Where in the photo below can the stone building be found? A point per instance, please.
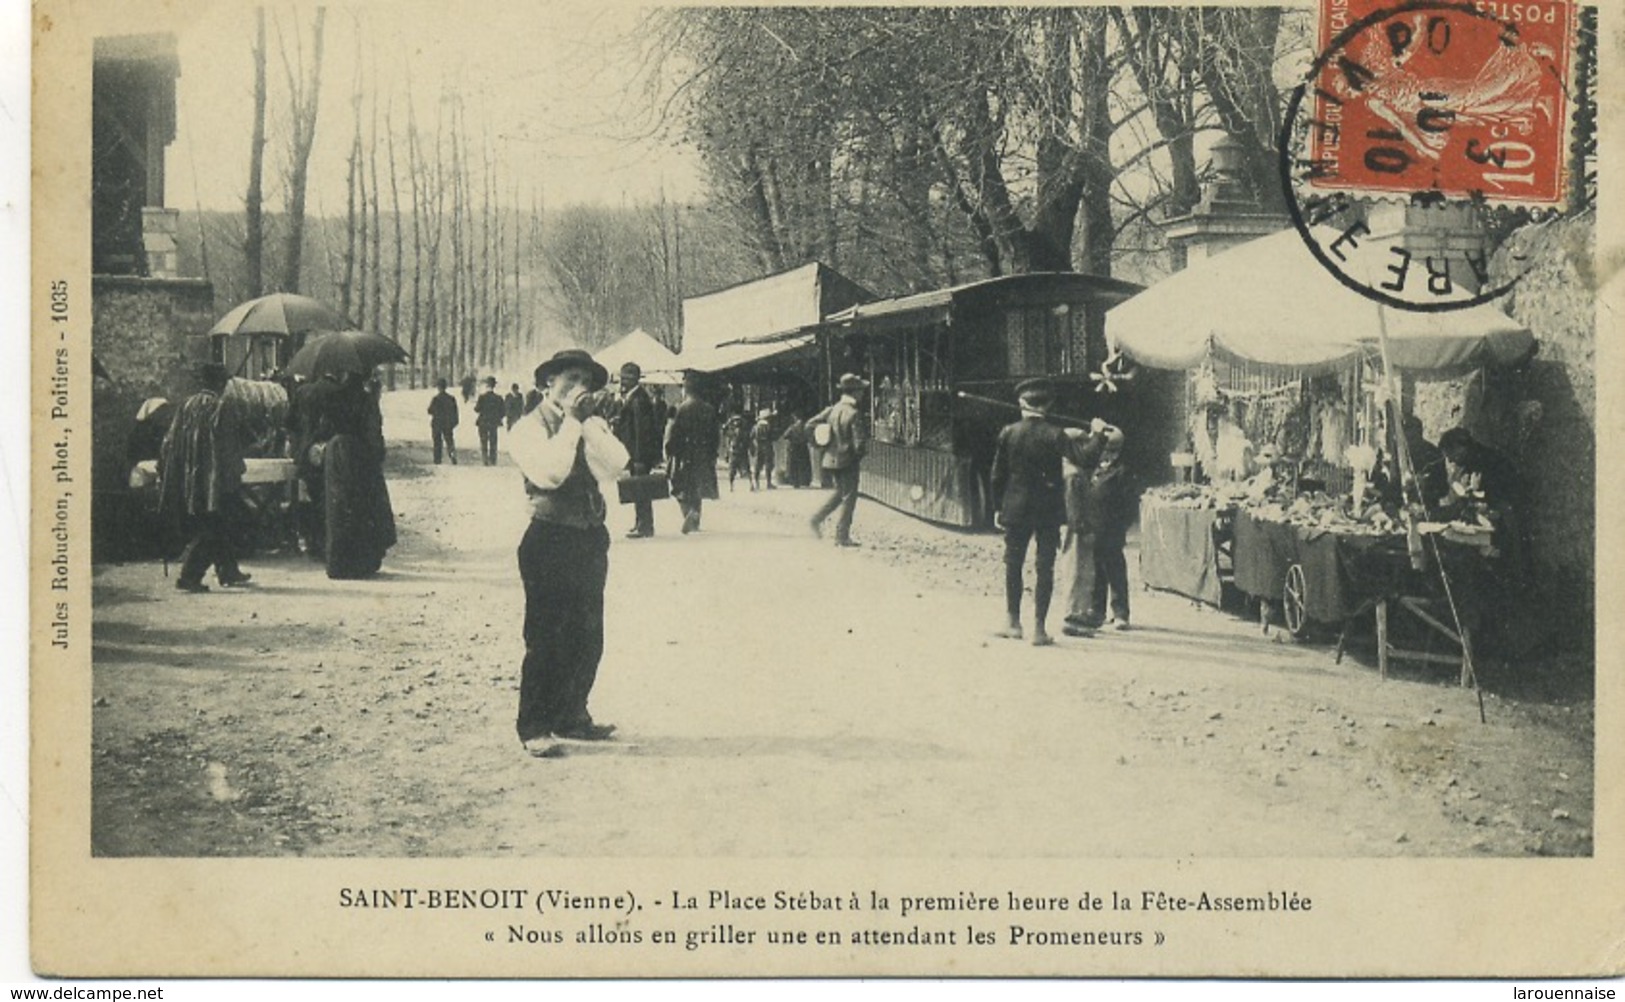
(145, 315)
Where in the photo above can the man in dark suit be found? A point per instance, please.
(848, 443)
(637, 428)
(488, 413)
(443, 422)
(691, 450)
(1029, 498)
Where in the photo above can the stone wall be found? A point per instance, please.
(1544, 416)
(145, 334)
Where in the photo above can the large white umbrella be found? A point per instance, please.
(1270, 301)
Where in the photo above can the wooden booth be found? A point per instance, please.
(943, 366)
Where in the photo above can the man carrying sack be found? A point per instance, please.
(637, 428)
(848, 443)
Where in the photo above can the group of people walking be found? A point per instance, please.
(492, 411)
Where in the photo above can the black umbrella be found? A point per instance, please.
(344, 351)
(281, 313)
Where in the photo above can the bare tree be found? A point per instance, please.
(254, 208)
(399, 276)
(352, 192)
(377, 229)
(304, 89)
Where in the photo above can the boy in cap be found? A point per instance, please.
(564, 449)
(1029, 499)
(1100, 508)
(761, 436)
(848, 444)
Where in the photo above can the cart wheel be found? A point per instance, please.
(1293, 594)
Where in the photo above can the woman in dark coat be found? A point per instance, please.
(692, 442)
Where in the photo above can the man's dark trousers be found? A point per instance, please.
(564, 569)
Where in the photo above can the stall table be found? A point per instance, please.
(1184, 549)
(1335, 577)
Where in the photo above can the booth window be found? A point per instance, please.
(1040, 340)
(911, 400)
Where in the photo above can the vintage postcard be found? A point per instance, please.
(600, 491)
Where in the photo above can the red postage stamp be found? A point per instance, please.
(1466, 100)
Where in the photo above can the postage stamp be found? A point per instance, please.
(1418, 122)
(1463, 99)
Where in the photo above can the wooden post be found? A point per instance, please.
(1382, 639)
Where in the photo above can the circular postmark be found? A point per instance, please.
(1427, 109)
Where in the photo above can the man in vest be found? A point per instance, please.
(564, 449)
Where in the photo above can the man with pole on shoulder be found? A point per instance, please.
(1030, 501)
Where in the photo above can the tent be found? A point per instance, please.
(659, 363)
(1270, 301)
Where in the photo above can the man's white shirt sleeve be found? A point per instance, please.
(546, 460)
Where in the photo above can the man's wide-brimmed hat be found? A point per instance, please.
(1040, 391)
(573, 358)
(851, 382)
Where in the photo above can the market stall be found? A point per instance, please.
(943, 366)
(1294, 469)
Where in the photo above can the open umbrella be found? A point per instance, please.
(344, 351)
(281, 313)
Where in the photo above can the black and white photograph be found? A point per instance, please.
(600, 491)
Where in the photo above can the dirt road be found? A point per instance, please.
(764, 684)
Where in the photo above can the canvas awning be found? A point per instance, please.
(792, 346)
(1270, 301)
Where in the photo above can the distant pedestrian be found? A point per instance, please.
(1100, 508)
(798, 463)
(848, 443)
(637, 428)
(513, 406)
(200, 467)
(738, 431)
(470, 383)
(564, 450)
(692, 441)
(443, 416)
(761, 439)
(1029, 500)
(488, 413)
(662, 410)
